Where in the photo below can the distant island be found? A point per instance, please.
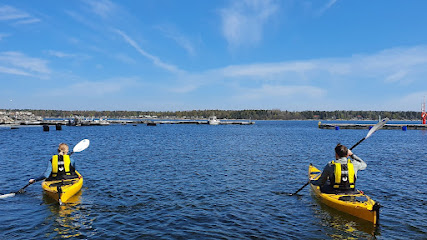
(9, 114)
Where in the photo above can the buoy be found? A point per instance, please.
(404, 128)
(337, 128)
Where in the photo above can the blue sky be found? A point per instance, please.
(164, 55)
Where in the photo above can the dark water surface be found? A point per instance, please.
(210, 182)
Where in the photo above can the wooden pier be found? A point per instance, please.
(338, 126)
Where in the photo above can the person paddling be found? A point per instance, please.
(339, 176)
(60, 166)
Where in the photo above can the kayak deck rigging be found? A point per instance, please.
(62, 190)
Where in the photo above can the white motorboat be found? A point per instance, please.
(213, 120)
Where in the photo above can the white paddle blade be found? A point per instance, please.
(7, 195)
(377, 126)
(82, 145)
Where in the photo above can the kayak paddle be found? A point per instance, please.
(373, 129)
(14, 193)
(82, 145)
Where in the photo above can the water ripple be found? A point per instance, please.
(209, 182)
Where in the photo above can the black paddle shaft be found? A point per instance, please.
(300, 189)
(361, 140)
(22, 189)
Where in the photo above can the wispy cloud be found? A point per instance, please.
(86, 88)
(283, 91)
(97, 88)
(409, 101)
(243, 22)
(317, 80)
(156, 60)
(13, 71)
(102, 8)
(60, 54)
(9, 13)
(183, 41)
(326, 7)
(3, 35)
(125, 58)
(388, 66)
(19, 64)
(81, 19)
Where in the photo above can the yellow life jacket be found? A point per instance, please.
(344, 176)
(61, 165)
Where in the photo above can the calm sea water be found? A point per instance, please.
(210, 182)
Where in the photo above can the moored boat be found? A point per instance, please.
(357, 204)
(213, 120)
(63, 190)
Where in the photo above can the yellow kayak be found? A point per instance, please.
(357, 204)
(63, 190)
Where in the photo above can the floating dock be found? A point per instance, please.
(404, 126)
(128, 121)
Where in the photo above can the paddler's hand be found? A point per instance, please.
(32, 181)
(312, 178)
(349, 153)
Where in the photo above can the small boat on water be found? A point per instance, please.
(213, 120)
(100, 122)
(63, 190)
(357, 204)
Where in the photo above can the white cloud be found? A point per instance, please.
(390, 66)
(8, 13)
(28, 21)
(394, 77)
(20, 64)
(13, 71)
(94, 88)
(156, 61)
(60, 54)
(283, 91)
(81, 19)
(267, 69)
(408, 101)
(326, 7)
(243, 22)
(178, 37)
(103, 8)
(3, 35)
(11, 13)
(125, 58)
(319, 81)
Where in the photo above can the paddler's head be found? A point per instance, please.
(341, 151)
(63, 149)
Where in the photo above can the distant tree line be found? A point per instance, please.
(236, 114)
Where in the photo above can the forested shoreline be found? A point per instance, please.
(233, 114)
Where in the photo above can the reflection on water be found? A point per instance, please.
(346, 226)
(68, 219)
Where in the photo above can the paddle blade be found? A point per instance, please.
(82, 145)
(7, 195)
(376, 127)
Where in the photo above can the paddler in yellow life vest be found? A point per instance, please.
(339, 176)
(60, 166)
